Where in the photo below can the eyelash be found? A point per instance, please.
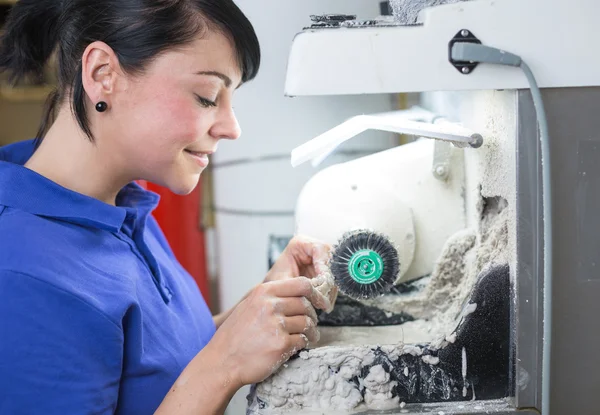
(205, 102)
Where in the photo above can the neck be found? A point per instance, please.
(67, 157)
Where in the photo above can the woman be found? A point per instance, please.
(96, 315)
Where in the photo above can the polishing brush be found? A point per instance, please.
(364, 264)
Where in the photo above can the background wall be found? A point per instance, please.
(19, 120)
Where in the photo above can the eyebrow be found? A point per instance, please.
(219, 75)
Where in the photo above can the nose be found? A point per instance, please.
(226, 126)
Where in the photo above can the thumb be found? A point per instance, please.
(317, 252)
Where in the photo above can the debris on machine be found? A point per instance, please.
(465, 307)
(407, 11)
(333, 21)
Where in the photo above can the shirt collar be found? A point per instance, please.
(24, 189)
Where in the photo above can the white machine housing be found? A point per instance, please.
(366, 60)
(553, 37)
(388, 192)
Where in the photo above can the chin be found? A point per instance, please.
(184, 189)
(183, 186)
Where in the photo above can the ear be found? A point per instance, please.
(100, 71)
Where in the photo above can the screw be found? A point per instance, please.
(476, 141)
(465, 70)
(440, 171)
(464, 33)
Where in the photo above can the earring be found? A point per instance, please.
(101, 106)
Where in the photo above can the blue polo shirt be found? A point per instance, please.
(96, 314)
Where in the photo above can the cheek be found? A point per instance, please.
(165, 117)
(175, 121)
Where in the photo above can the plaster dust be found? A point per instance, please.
(407, 11)
(321, 379)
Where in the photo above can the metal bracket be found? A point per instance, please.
(464, 67)
(442, 152)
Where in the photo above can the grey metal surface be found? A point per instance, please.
(530, 272)
(574, 116)
(575, 147)
(496, 407)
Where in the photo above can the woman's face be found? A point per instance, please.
(167, 121)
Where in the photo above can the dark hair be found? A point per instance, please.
(137, 30)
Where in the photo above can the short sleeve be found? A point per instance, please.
(58, 354)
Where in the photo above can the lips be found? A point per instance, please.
(198, 153)
(199, 156)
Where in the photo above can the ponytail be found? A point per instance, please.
(30, 36)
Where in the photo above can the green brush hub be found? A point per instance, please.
(365, 266)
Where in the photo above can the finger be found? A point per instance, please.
(299, 287)
(296, 306)
(302, 325)
(298, 342)
(320, 257)
(295, 343)
(308, 251)
(293, 287)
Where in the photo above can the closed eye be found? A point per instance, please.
(206, 103)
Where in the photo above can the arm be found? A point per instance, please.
(271, 323)
(220, 318)
(58, 354)
(205, 386)
(262, 332)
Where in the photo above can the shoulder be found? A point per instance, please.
(67, 343)
(38, 298)
(24, 235)
(51, 255)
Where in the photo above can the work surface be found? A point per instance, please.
(497, 407)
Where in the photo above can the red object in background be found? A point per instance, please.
(179, 219)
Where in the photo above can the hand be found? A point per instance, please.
(307, 257)
(304, 257)
(274, 322)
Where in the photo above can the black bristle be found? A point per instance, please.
(353, 242)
